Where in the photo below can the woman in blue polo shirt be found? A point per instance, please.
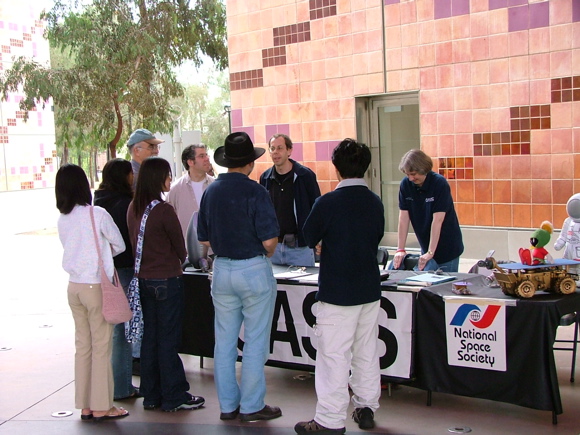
(425, 202)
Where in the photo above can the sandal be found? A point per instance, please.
(113, 413)
(86, 417)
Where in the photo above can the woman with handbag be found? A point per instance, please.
(159, 251)
(114, 195)
(93, 373)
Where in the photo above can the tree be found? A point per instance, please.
(202, 108)
(123, 53)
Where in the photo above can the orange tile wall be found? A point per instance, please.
(499, 106)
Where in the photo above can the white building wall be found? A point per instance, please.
(27, 149)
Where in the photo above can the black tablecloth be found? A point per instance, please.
(531, 377)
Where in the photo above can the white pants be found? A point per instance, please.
(347, 340)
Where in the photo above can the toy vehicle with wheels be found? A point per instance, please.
(517, 279)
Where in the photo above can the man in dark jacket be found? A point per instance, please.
(293, 189)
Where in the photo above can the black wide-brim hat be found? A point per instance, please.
(238, 151)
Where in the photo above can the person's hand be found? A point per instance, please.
(318, 249)
(398, 259)
(423, 259)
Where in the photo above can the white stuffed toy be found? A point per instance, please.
(570, 235)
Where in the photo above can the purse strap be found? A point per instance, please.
(141, 236)
(95, 235)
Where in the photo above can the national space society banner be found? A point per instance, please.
(476, 334)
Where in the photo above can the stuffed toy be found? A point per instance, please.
(570, 235)
(537, 254)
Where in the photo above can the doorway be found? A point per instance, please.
(389, 124)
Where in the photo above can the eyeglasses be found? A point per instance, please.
(278, 148)
(151, 147)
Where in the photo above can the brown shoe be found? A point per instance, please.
(306, 427)
(266, 413)
(230, 415)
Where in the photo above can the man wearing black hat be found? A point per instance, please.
(237, 220)
(142, 144)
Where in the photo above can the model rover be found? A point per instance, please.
(517, 279)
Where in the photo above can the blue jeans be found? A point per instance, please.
(121, 358)
(163, 380)
(449, 266)
(293, 256)
(243, 291)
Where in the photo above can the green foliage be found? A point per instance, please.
(202, 108)
(113, 60)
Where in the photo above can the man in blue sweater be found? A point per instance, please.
(347, 226)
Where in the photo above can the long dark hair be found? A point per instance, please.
(150, 183)
(115, 176)
(71, 188)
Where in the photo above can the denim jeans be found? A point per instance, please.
(163, 381)
(122, 358)
(449, 266)
(293, 256)
(243, 291)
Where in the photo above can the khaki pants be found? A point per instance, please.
(93, 343)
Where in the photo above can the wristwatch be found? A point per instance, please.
(430, 253)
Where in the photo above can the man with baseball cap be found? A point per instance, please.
(237, 219)
(142, 144)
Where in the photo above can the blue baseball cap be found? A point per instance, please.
(143, 135)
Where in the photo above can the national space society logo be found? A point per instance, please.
(475, 334)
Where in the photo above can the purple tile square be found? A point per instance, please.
(392, 2)
(459, 7)
(575, 11)
(518, 18)
(442, 9)
(517, 2)
(297, 151)
(497, 4)
(331, 146)
(273, 129)
(539, 15)
(249, 130)
(237, 120)
(322, 151)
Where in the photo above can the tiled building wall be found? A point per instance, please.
(27, 149)
(296, 66)
(498, 83)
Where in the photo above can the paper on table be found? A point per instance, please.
(310, 279)
(291, 274)
(426, 279)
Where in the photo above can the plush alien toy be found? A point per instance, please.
(570, 235)
(537, 254)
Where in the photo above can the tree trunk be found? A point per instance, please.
(91, 178)
(95, 158)
(64, 154)
(113, 144)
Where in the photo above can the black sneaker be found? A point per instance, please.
(306, 427)
(365, 417)
(266, 413)
(194, 403)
